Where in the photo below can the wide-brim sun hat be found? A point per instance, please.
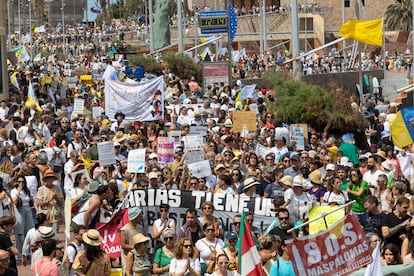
(92, 237)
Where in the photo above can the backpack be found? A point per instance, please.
(76, 253)
(78, 203)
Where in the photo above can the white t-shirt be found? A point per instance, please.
(331, 197)
(297, 199)
(70, 251)
(203, 247)
(159, 224)
(177, 266)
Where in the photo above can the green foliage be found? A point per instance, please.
(324, 111)
(182, 66)
(398, 16)
(149, 63)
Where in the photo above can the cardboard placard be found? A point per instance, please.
(96, 112)
(78, 106)
(299, 134)
(165, 149)
(193, 142)
(244, 119)
(194, 156)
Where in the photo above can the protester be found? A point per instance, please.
(208, 247)
(45, 266)
(5, 270)
(137, 260)
(6, 228)
(163, 223)
(185, 261)
(93, 260)
(164, 254)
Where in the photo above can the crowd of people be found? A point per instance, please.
(49, 154)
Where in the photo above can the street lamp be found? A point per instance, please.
(30, 27)
(63, 27)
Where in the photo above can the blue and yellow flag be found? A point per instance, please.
(13, 80)
(31, 98)
(402, 127)
(365, 31)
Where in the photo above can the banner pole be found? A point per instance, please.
(322, 216)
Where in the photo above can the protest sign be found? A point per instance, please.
(194, 156)
(262, 150)
(297, 135)
(200, 169)
(143, 101)
(176, 134)
(304, 130)
(62, 91)
(78, 106)
(225, 206)
(111, 239)
(165, 148)
(253, 107)
(339, 250)
(136, 161)
(244, 119)
(96, 112)
(198, 130)
(106, 153)
(193, 142)
(318, 211)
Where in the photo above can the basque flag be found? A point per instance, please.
(249, 259)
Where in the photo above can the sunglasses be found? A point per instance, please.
(7, 259)
(284, 218)
(210, 230)
(163, 210)
(20, 181)
(236, 223)
(59, 248)
(223, 263)
(168, 238)
(188, 246)
(233, 240)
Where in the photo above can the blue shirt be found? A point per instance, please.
(282, 268)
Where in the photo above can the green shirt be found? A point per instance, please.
(161, 258)
(358, 206)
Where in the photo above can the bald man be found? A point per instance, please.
(4, 264)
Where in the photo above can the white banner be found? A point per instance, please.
(139, 102)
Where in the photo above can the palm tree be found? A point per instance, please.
(398, 16)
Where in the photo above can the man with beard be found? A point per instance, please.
(395, 224)
(284, 226)
(372, 174)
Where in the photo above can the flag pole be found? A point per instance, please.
(322, 216)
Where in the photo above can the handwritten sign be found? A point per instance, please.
(106, 153)
(244, 119)
(96, 112)
(297, 135)
(194, 156)
(165, 150)
(262, 150)
(193, 142)
(200, 169)
(136, 161)
(176, 134)
(78, 106)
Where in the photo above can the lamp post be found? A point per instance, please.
(63, 28)
(9, 24)
(18, 12)
(30, 27)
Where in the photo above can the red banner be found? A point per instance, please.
(111, 239)
(339, 250)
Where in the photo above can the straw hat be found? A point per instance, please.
(92, 237)
(139, 238)
(287, 180)
(119, 137)
(316, 177)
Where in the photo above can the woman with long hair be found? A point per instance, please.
(21, 197)
(185, 262)
(207, 208)
(208, 247)
(225, 185)
(92, 261)
(407, 247)
(238, 179)
(79, 187)
(164, 254)
(390, 255)
(335, 196)
(357, 190)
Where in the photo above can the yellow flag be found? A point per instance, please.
(365, 31)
